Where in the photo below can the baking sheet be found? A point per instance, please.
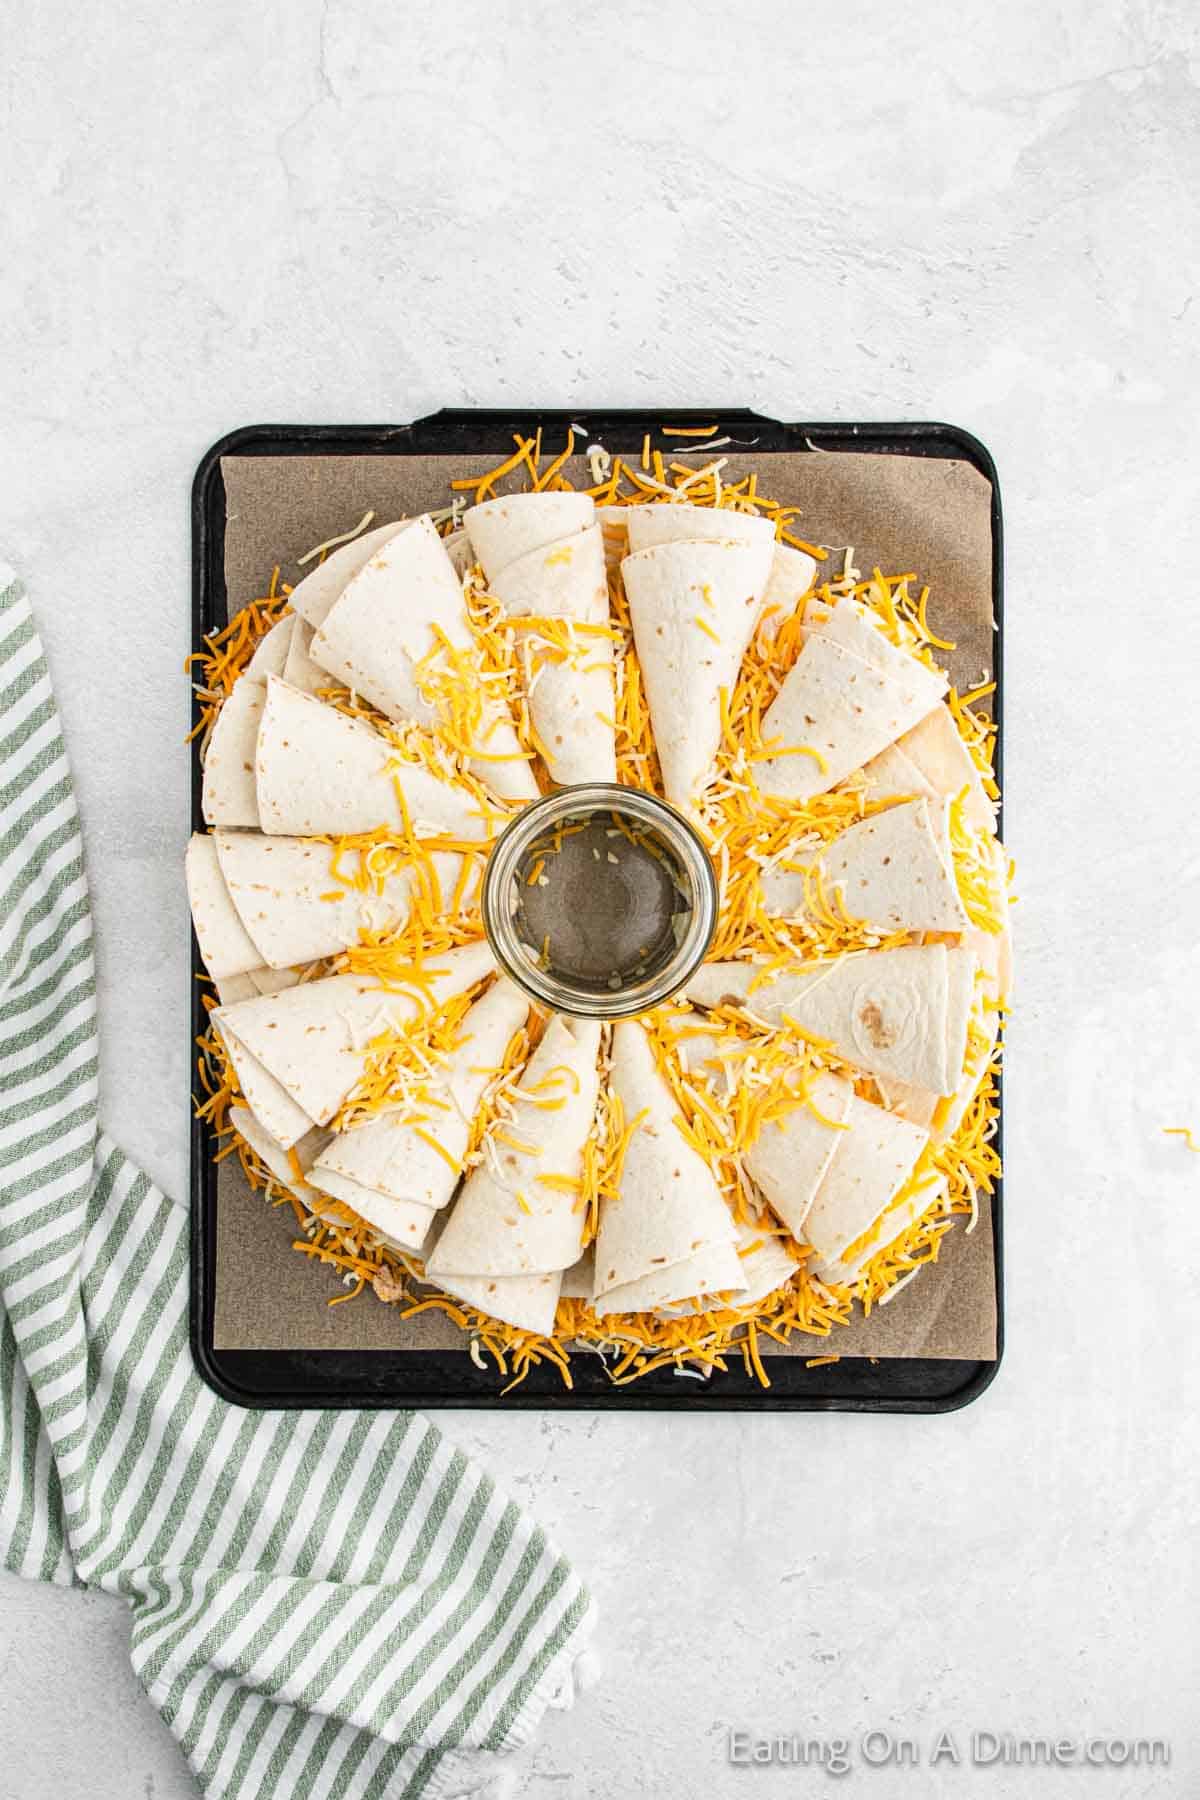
(927, 515)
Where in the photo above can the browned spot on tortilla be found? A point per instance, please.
(871, 1018)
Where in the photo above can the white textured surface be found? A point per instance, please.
(225, 213)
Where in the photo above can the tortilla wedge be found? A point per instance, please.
(892, 775)
(300, 671)
(714, 1275)
(892, 870)
(404, 1224)
(280, 1116)
(898, 1014)
(676, 522)
(916, 1104)
(255, 981)
(295, 910)
(834, 712)
(313, 597)
(271, 654)
(229, 794)
(459, 549)
(693, 606)
(874, 1158)
(507, 528)
(277, 1160)
(311, 1039)
(893, 1221)
(935, 746)
(507, 1220)
(791, 577)
(668, 1207)
(403, 607)
(767, 1262)
(225, 948)
(323, 773)
(856, 629)
(788, 1160)
(571, 702)
(528, 1302)
(417, 1161)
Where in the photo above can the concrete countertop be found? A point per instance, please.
(220, 214)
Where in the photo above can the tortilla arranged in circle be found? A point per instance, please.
(320, 772)
(668, 1208)
(895, 1013)
(229, 794)
(693, 606)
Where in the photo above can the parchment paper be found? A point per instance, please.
(901, 512)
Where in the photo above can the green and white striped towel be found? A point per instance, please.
(323, 1603)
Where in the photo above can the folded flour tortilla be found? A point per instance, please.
(788, 1160)
(229, 795)
(277, 1160)
(389, 1171)
(225, 947)
(900, 1014)
(490, 1232)
(667, 1235)
(280, 889)
(894, 1220)
(510, 1236)
(892, 870)
(873, 1159)
(503, 530)
(255, 981)
(402, 1224)
(892, 775)
(709, 1276)
(300, 671)
(935, 747)
(313, 597)
(403, 605)
(527, 1301)
(693, 606)
(767, 1263)
(674, 522)
(270, 656)
(916, 1104)
(321, 772)
(856, 629)
(791, 577)
(571, 702)
(577, 1281)
(310, 1040)
(460, 550)
(944, 1115)
(848, 695)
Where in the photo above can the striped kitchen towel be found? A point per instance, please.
(323, 1603)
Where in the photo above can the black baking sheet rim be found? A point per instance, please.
(448, 1378)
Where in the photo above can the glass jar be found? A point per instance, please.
(600, 901)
